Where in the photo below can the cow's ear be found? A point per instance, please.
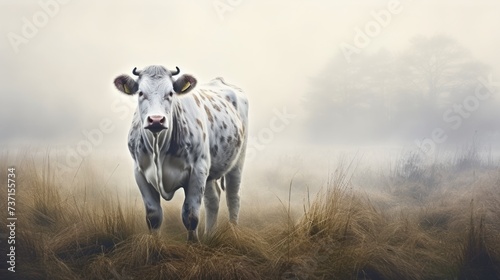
(184, 84)
(126, 84)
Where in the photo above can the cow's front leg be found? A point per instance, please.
(192, 202)
(151, 198)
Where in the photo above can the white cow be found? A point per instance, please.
(183, 136)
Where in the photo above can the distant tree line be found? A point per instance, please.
(387, 96)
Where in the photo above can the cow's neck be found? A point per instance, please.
(168, 142)
(177, 142)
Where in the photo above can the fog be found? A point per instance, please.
(373, 150)
(320, 75)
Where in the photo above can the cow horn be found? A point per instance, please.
(177, 72)
(135, 72)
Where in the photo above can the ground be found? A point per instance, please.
(417, 220)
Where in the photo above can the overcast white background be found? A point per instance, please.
(60, 82)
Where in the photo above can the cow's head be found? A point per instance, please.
(156, 89)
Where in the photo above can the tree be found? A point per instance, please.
(439, 67)
(386, 96)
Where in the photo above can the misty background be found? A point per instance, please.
(308, 100)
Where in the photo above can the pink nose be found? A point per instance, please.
(156, 120)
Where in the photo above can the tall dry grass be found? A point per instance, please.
(446, 228)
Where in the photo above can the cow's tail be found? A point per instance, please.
(222, 183)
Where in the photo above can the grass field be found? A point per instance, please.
(417, 221)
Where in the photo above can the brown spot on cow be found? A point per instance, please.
(199, 123)
(206, 96)
(222, 139)
(224, 125)
(197, 100)
(216, 107)
(209, 114)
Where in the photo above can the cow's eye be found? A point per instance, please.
(171, 94)
(141, 94)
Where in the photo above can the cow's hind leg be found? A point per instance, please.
(233, 180)
(211, 200)
(151, 198)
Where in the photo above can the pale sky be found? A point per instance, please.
(58, 82)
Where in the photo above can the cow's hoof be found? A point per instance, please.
(155, 232)
(192, 237)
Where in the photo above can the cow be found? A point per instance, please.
(186, 136)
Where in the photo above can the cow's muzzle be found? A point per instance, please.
(156, 123)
